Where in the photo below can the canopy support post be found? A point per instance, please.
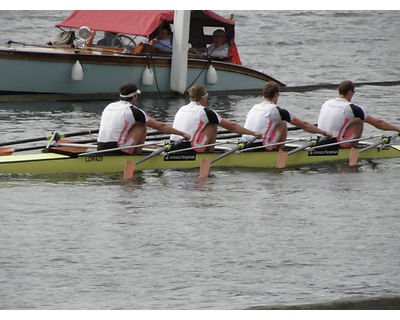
(180, 47)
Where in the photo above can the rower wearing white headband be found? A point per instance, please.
(123, 124)
(133, 94)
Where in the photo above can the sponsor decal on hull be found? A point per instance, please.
(180, 157)
(323, 152)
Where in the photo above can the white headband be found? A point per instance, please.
(131, 94)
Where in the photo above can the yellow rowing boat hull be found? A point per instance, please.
(53, 163)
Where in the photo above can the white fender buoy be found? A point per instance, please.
(212, 77)
(147, 76)
(77, 71)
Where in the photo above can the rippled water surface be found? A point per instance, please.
(239, 239)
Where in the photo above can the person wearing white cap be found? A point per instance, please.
(219, 49)
(123, 124)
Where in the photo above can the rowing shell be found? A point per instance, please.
(53, 163)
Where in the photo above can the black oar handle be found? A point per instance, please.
(79, 133)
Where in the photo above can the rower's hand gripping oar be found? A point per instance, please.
(205, 164)
(129, 167)
(282, 155)
(354, 152)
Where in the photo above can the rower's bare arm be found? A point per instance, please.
(308, 127)
(381, 124)
(165, 128)
(237, 128)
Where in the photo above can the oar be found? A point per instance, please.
(203, 146)
(345, 141)
(92, 153)
(205, 164)
(129, 167)
(70, 146)
(222, 134)
(313, 145)
(273, 144)
(282, 155)
(57, 137)
(4, 151)
(70, 143)
(354, 152)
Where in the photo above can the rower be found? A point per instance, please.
(272, 120)
(202, 123)
(123, 124)
(346, 120)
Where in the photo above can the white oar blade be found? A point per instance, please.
(353, 159)
(282, 156)
(204, 168)
(129, 169)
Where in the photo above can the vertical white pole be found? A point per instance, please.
(180, 47)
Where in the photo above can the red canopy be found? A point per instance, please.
(133, 22)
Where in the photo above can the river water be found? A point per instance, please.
(238, 239)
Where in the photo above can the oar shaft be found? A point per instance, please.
(114, 149)
(129, 167)
(77, 145)
(226, 153)
(205, 164)
(370, 146)
(154, 153)
(79, 133)
(312, 143)
(345, 141)
(167, 147)
(65, 135)
(272, 145)
(42, 146)
(203, 146)
(355, 152)
(94, 131)
(240, 146)
(384, 140)
(223, 134)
